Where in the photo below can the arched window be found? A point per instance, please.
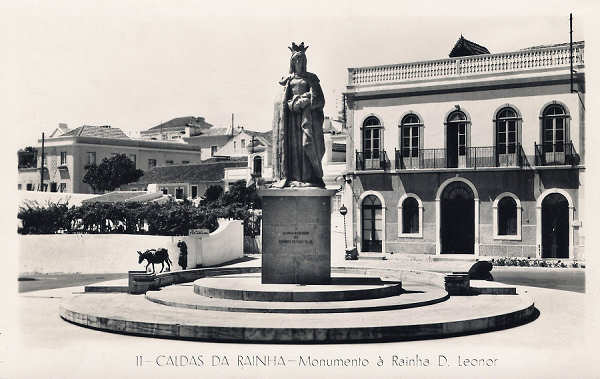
(371, 121)
(410, 216)
(554, 129)
(409, 135)
(372, 224)
(507, 217)
(372, 142)
(506, 131)
(257, 166)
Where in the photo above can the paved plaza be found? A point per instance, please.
(550, 346)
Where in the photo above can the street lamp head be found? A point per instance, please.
(343, 210)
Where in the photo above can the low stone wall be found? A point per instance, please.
(140, 282)
(111, 253)
(429, 277)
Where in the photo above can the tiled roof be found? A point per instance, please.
(124, 196)
(96, 131)
(464, 47)
(208, 171)
(181, 123)
(262, 137)
(552, 45)
(214, 132)
(144, 197)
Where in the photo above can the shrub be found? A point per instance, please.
(528, 262)
(37, 219)
(170, 218)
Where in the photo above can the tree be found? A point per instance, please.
(112, 173)
(238, 193)
(213, 193)
(27, 157)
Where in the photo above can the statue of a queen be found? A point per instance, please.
(298, 144)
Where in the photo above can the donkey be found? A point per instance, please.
(155, 256)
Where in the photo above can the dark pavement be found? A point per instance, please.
(28, 283)
(560, 279)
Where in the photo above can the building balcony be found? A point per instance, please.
(521, 61)
(372, 160)
(556, 154)
(27, 167)
(470, 157)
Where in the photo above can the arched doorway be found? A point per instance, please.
(457, 219)
(257, 172)
(555, 226)
(372, 224)
(456, 139)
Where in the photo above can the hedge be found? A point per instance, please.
(169, 219)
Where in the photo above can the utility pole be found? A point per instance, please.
(571, 46)
(232, 124)
(42, 168)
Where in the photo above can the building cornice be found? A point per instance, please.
(464, 86)
(129, 143)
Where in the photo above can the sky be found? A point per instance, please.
(134, 64)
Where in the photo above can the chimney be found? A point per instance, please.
(63, 127)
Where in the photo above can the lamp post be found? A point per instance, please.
(343, 211)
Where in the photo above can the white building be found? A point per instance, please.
(478, 154)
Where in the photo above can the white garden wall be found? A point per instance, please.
(113, 253)
(224, 244)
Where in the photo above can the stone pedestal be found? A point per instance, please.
(296, 239)
(140, 282)
(457, 284)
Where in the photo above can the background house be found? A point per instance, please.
(176, 129)
(67, 155)
(186, 181)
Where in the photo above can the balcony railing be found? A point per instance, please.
(372, 160)
(470, 157)
(517, 61)
(550, 154)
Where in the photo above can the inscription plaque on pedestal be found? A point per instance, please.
(296, 235)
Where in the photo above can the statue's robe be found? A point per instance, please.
(298, 144)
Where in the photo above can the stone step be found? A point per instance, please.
(484, 287)
(116, 285)
(106, 289)
(454, 257)
(375, 256)
(343, 287)
(415, 295)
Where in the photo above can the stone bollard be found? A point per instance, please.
(457, 284)
(140, 282)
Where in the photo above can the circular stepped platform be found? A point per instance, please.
(134, 314)
(416, 295)
(362, 320)
(343, 287)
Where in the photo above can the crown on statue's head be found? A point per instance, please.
(298, 48)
